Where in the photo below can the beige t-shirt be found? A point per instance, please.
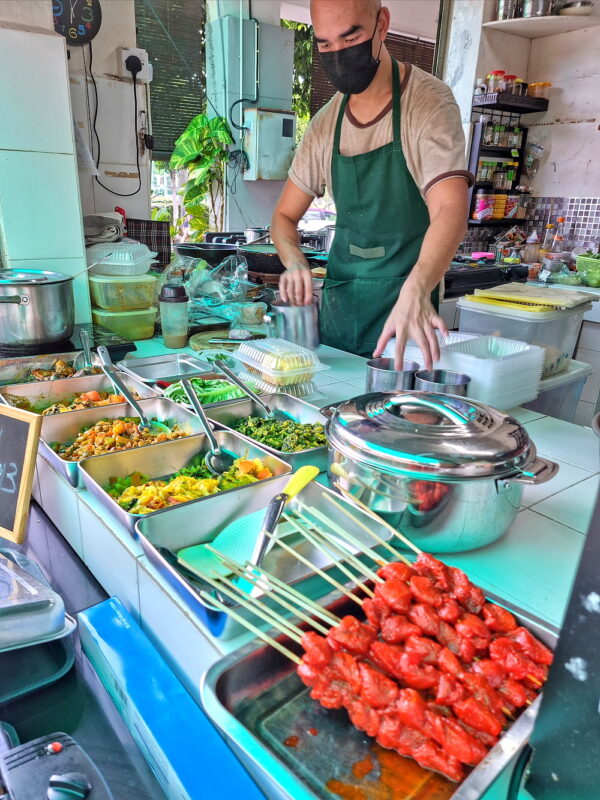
(431, 131)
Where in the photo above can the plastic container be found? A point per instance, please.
(537, 8)
(484, 205)
(559, 395)
(129, 324)
(174, 304)
(508, 83)
(495, 80)
(278, 361)
(120, 258)
(541, 89)
(557, 331)
(306, 389)
(412, 351)
(122, 293)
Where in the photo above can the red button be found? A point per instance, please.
(54, 747)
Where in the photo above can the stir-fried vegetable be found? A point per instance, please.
(110, 435)
(208, 391)
(288, 436)
(91, 399)
(138, 494)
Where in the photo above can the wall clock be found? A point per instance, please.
(77, 20)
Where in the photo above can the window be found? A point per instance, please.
(172, 32)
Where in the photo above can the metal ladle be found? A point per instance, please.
(216, 459)
(115, 378)
(86, 356)
(272, 413)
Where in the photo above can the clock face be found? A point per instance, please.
(77, 20)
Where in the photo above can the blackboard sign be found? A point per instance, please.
(19, 436)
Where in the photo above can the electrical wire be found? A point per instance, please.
(135, 132)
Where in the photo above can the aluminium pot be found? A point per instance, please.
(445, 471)
(36, 307)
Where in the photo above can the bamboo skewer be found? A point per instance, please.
(351, 498)
(210, 600)
(347, 537)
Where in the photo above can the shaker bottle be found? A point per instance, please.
(174, 315)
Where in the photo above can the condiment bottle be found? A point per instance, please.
(174, 315)
(558, 240)
(547, 242)
(532, 249)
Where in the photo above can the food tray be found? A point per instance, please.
(170, 367)
(62, 427)
(17, 370)
(53, 391)
(165, 459)
(278, 361)
(256, 700)
(208, 376)
(232, 411)
(181, 526)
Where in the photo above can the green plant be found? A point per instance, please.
(202, 151)
(303, 55)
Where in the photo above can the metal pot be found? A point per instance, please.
(446, 472)
(329, 233)
(257, 234)
(265, 258)
(37, 307)
(298, 324)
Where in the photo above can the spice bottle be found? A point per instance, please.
(547, 241)
(532, 249)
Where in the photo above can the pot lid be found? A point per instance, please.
(429, 435)
(24, 277)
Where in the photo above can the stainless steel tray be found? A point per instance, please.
(165, 459)
(17, 369)
(256, 699)
(62, 427)
(50, 392)
(232, 411)
(181, 526)
(207, 376)
(170, 367)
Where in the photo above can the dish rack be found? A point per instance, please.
(504, 373)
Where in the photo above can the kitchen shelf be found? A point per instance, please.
(497, 151)
(536, 27)
(515, 103)
(495, 223)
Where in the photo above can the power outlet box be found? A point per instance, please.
(123, 54)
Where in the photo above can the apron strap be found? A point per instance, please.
(338, 126)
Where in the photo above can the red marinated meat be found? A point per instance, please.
(514, 692)
(449, 611)
(372, 612)
(364, 717)
(433, 568)
(317, 651)
(491, 670)
(426, 649)
(498, 619)
(473, 627)
(448, 636)
(467, 651)
(449, 663)
(477, 716)
(377, 690)
(476, 600)
(430, 755)
(352, 635)
(509, 654)
(404, 666)
(344, 668)
(460, 586)
(411, 708)
(531, 646)
(483, 692)
(424, 591)
(454, 739)
(425, 617)
(395, 594)
(397, 628)
(449, 691)
(396, 570)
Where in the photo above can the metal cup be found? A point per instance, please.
(298, 324)
(442, 381)
(382, 377)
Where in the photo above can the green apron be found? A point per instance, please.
(381, 222)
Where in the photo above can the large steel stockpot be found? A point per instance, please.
(446, 471)
(36, 307)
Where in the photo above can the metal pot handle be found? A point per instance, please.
(416, 400)
(539, 471)
(327, 411)
(18, 299)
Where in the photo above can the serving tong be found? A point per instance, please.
(272, 413)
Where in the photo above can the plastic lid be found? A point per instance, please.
(497, 72)
(510, 77)
(173, 293)
(543, 84)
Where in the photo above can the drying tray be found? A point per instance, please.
(17, 369)
(166, 532)
(527, 296)
(256, 700)
(170, 367)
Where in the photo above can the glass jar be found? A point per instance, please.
(500, 178)
(537, 8)
(495, 80)
(508, 83)
(520, 87)
(541, 89)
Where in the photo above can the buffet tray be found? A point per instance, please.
(170, 367)
(62, 427)
(164, 533)
(257, 701)
(16, 369)
(230, 412)
(164, 459)
(54, 391)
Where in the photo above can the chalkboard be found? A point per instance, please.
(19, 436)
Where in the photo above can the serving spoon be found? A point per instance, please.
(272, 413)
(216, 459)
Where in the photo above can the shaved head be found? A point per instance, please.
(340, 23)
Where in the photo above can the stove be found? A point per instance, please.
(463, 277)
(117, 346)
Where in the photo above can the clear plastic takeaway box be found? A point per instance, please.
(556, 331)
(278, 362)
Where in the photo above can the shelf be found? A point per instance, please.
(497, 151)
(536, 27)
(514, 103)
(495, 223)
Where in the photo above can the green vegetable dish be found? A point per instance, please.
(287, 437)
(208, 391)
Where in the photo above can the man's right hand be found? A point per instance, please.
(296, 285)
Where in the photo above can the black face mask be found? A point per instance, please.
(352, 69)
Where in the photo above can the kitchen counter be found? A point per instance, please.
(532, 565)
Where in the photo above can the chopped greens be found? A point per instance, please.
(288, 436)
(208, 391)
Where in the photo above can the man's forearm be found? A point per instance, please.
(446, 231)
(284, 234)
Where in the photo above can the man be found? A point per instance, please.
(389, 146)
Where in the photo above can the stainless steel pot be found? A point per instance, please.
(257, 235)
(37, 307)
(298, 324)
(447, 472)
(329, 235)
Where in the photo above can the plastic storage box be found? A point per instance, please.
(120, 258)
(121, 293)
(560, 394)
(556, 331)
(278, 362)
(306, 389)
(412, 351)
(129, 324)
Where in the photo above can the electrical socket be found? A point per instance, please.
(123, 54)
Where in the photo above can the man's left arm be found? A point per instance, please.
(413, 316)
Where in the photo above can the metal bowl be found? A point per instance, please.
(442, 381)
(382, 377)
